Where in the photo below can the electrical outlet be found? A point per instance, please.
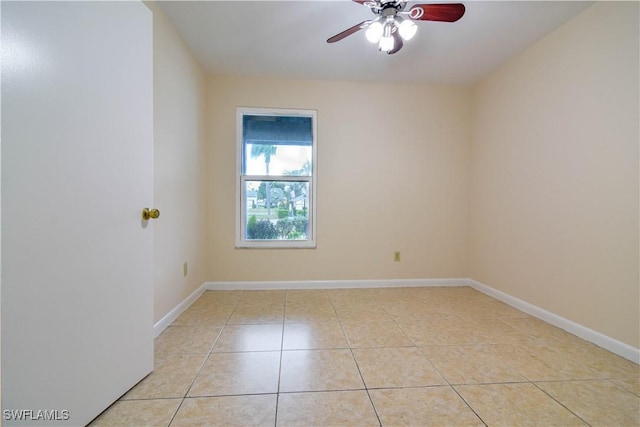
(185, 269)
(396, 256)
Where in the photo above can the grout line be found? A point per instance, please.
(209, 396)
(467, 403)
(365, 388)
(173, 417)
(138, 399)
(560, 403)
(322, 391)
(451, 386)
(400, 328)
(284, 316)
(364, 383)
(215, 341)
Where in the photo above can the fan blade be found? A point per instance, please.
(397, 43)
(348, 32)
(437, 12)
(371, 4)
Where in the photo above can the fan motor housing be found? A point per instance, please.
(386, 7)
(395, 6)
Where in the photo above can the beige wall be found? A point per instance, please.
(393, 174)
(545, 148)
(554, 211)
(179, 167)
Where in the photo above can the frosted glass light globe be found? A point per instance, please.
(386, 44)
(374, 32)
(407, 29)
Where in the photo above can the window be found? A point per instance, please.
(276, 183)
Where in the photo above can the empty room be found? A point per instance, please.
(320, 213)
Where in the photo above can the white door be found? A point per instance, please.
(77, 129)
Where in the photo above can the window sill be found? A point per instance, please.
(276, 244)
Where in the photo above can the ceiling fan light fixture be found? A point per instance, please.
(392, 26)
(407, 29)
(374, 32)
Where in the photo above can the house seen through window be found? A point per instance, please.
(276, 178)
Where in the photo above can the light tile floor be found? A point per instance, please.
(360, 357)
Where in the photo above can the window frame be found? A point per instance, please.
(242, 178)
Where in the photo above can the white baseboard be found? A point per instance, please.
(334, 284)
(604, 341)
(162, 324)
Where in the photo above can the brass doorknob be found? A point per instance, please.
(150, 213)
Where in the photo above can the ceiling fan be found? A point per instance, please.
(392, 25)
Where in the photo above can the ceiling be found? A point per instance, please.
(287, 39)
